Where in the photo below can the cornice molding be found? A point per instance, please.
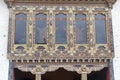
(109, 2)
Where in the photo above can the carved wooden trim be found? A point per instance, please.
(71, 48)
(38, 69)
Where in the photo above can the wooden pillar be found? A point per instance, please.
(84, 76)
(13, 74)
(38, 77)
(108, 73)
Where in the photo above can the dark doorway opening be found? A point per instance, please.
(61, 74)
(99, 75)
(20, 75)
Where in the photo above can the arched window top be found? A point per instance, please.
(81, 15)
(20, 15)
(61, 15)
(100, 15)
(40, 15)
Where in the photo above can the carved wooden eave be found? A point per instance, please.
(107, 2)
(40, 69)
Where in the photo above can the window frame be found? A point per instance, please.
(83, 13)
(66, 12)
(25, 30)
(67, 28)
(14, 25)
(35, 12)
(107, 28)
(87, 28)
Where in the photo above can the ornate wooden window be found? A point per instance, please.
(61, 28)
(80, 29)
(40, 28)
(100, 28)
(20, 28)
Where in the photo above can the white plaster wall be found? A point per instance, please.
(116, 30)
(4, 63)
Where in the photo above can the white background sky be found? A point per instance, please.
(3, 39)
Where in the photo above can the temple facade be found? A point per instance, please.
(60, 39)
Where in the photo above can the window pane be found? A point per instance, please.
(81, 33)
(61, 24)
(100, 28)
(40, 30)
(20, 29)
